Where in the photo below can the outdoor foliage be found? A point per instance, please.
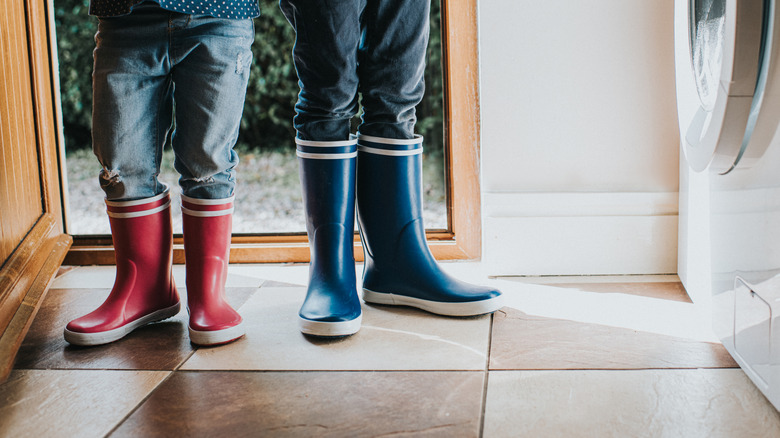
(273, 85)
(75, 41)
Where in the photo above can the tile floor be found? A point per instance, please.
(567, 357)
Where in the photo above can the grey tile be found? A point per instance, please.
(391, 338)
(525, 342)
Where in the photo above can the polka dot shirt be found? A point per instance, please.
(234, 9)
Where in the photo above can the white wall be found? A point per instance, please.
(579, 136)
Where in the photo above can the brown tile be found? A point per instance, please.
(336, 404)
(524, 342)
(160, 346)
(71, 403)
(637, 403)
(665, 290)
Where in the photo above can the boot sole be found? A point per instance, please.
(108, 336)
(329, 329)
(217, 337)
(469, 308)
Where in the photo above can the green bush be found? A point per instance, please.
(273, 84)
(75, 41)
(272, 90)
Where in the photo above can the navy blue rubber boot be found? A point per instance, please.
(327, 170)
(399, 268)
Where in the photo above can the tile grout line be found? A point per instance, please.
(370, 370)
(325, 370)
(691, 368)
(149, 395)
(487, 376)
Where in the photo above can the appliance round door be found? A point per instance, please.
(725, 43)
(763, 124)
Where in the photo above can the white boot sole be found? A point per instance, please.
(100, 338)
(469, 308)
(217, 337)
(329, 329)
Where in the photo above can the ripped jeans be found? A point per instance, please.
(159, 75)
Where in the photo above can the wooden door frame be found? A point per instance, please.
(27, 274)
(462, 239)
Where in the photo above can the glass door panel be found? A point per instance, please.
(268, 195)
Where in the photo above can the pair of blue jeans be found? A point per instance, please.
(162, 75)
(343, 48)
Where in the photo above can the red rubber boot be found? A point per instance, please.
(143, 290)
(207, 227)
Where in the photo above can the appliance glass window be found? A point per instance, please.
(707, 34)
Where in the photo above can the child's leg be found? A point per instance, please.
(325, 53)
(392, 65)
(132, 102)
(327, 35)
(211, 59)
(399, 267)
(131, 117)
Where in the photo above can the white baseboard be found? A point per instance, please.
(580, 233)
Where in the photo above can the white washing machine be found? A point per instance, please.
(728, 89)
